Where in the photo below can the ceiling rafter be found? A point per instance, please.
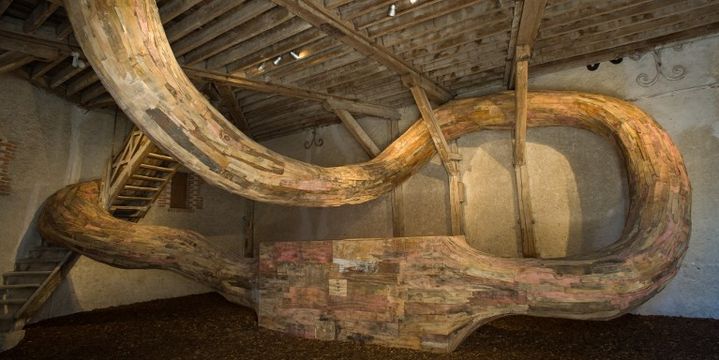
(327, 21)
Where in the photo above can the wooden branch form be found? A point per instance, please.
(290, 91)
(358, 289)
(524, 201)
(325, 20)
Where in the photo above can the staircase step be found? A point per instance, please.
(36, 264)
(25, 277)
(43, 251)
(141, 188)
(148, 178)
(160, 156)
(125, 197)
(128, 207)
(19, 286)
(157, 168)
(13, 301)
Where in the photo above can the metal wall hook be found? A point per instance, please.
(316, 141)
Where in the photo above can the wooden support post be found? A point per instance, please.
(357, 132)
(249, 248)
(397, 194)
(526, 220)
(456, 197)
(525, 27)
(450, 157)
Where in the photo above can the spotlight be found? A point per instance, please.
(412, 2)
(277, 61)
(392, 10)
(294, 55)
(261, 67)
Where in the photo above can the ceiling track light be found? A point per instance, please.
(392, 10)
(277, 61)
(294, 55)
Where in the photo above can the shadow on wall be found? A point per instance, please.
(578, 191)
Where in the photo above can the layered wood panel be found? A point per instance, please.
(465, 46)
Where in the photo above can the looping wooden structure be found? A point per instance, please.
(422, 292)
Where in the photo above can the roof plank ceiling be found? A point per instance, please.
(463, 46)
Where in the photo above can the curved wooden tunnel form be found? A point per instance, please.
(418, 292)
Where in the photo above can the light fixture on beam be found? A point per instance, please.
(294, 55)
(412, 2)
(392, 10)
(277, 61)
(261, 67)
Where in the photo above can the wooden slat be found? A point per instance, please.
(330, 24)
(199, 18)
(173, 8)
(64, 74)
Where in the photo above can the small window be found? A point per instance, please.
(178, 191)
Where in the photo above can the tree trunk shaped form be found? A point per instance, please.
(425, 293)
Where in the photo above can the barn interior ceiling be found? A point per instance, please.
(273, 66)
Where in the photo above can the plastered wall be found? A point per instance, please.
(578, 185)
(57, 144)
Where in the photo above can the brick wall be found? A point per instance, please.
(7, 153)
(194, 197)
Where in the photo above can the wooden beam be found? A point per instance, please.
(284, 90)
(4, 4)
(327, 21)
(397, 194)
(42, 69)
(64, 75)
(228, 98)
(250, 248)
(456, 197)
(357, 132)
(440, 143)
(525, 33)
(40, 48)
(13, 60)
(38, 16)
(173, 8)
(524, 205)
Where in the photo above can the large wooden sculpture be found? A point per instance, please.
(422, 292)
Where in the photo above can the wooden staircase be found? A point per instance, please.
(134, 180)
(28, 286)
(136, 177)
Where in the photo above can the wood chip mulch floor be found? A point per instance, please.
(208, 327)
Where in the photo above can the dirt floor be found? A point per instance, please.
(208, 327)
